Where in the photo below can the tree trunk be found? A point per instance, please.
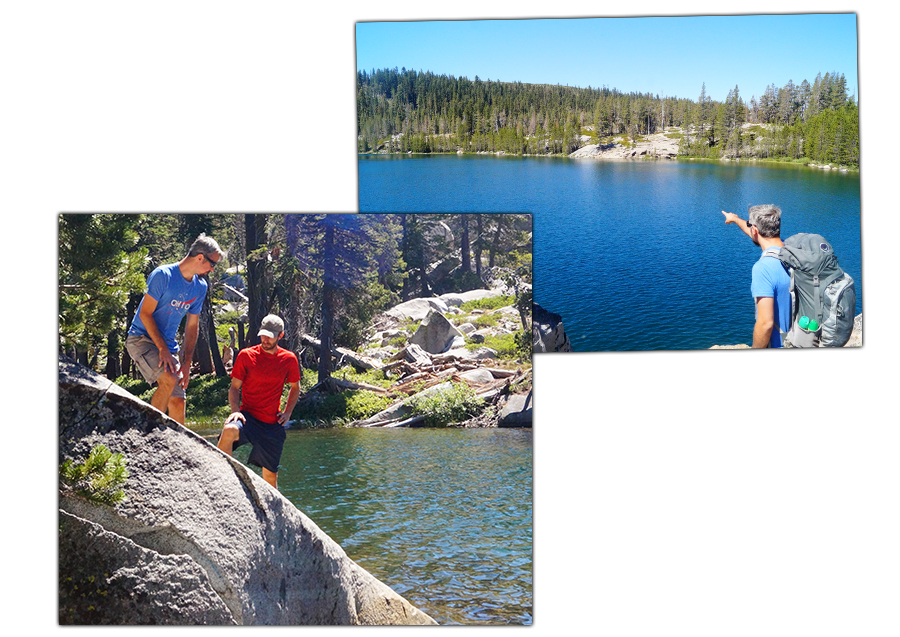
(327, 306)
(112, 355)
(464, 246)
(495, 244)
(206, 341)
(254, 227)
(218, 365)
(478, 244)
(130, 309)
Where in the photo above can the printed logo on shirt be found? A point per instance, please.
(182, 305)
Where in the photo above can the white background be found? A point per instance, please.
(695, 493)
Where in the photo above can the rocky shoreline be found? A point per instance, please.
(653, 146)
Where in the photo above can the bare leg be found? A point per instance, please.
(270, 477)
(176, 409)
(230, 433)
(160, 398)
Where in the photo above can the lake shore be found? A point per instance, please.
(655, 149)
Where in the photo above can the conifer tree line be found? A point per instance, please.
(404, 111)
(325, 275)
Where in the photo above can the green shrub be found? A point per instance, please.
(441, 408)
(98, 478)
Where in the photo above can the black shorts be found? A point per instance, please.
(267, 440)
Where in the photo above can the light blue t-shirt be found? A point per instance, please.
(175, 297)
(771, 280)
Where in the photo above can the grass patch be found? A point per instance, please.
(485, 320)
(490, 303)
(517, 345)
(410, 326)
(370, 376)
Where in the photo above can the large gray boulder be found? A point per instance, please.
(516, 411)
(416, 309)
(108, 579)
(436, 334)
(232, 549)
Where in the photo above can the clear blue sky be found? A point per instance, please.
(670, 56)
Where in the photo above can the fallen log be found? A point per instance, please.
(502, 373)
(409, 422)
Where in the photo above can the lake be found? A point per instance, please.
(634, 255)
(442, 516)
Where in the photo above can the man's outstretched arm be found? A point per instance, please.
(730, 217)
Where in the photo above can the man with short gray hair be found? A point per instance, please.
(173, 290)
(770, 283)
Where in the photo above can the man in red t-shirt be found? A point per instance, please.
(257, 382)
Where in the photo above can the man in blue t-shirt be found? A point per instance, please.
(770, 283)
(173, 291)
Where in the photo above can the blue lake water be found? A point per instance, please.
(442, 516)
(633, 255)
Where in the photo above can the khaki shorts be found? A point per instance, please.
(145, 355)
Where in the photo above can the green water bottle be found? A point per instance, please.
(803, 322)
(813, 325)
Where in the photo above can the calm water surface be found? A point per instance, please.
(442, 516)
(633, 255)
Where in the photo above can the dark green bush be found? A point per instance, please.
(452, 405)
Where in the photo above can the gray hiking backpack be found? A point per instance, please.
(820, 290)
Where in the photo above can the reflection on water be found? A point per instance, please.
(442, 516)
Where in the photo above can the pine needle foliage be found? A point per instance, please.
(99, 478)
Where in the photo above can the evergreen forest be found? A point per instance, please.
(403, 111)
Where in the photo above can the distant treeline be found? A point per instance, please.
(405, 110)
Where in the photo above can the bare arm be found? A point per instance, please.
(166, 360)
(293, 395)
(730, 217)
(765, 321)
(234, 401)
